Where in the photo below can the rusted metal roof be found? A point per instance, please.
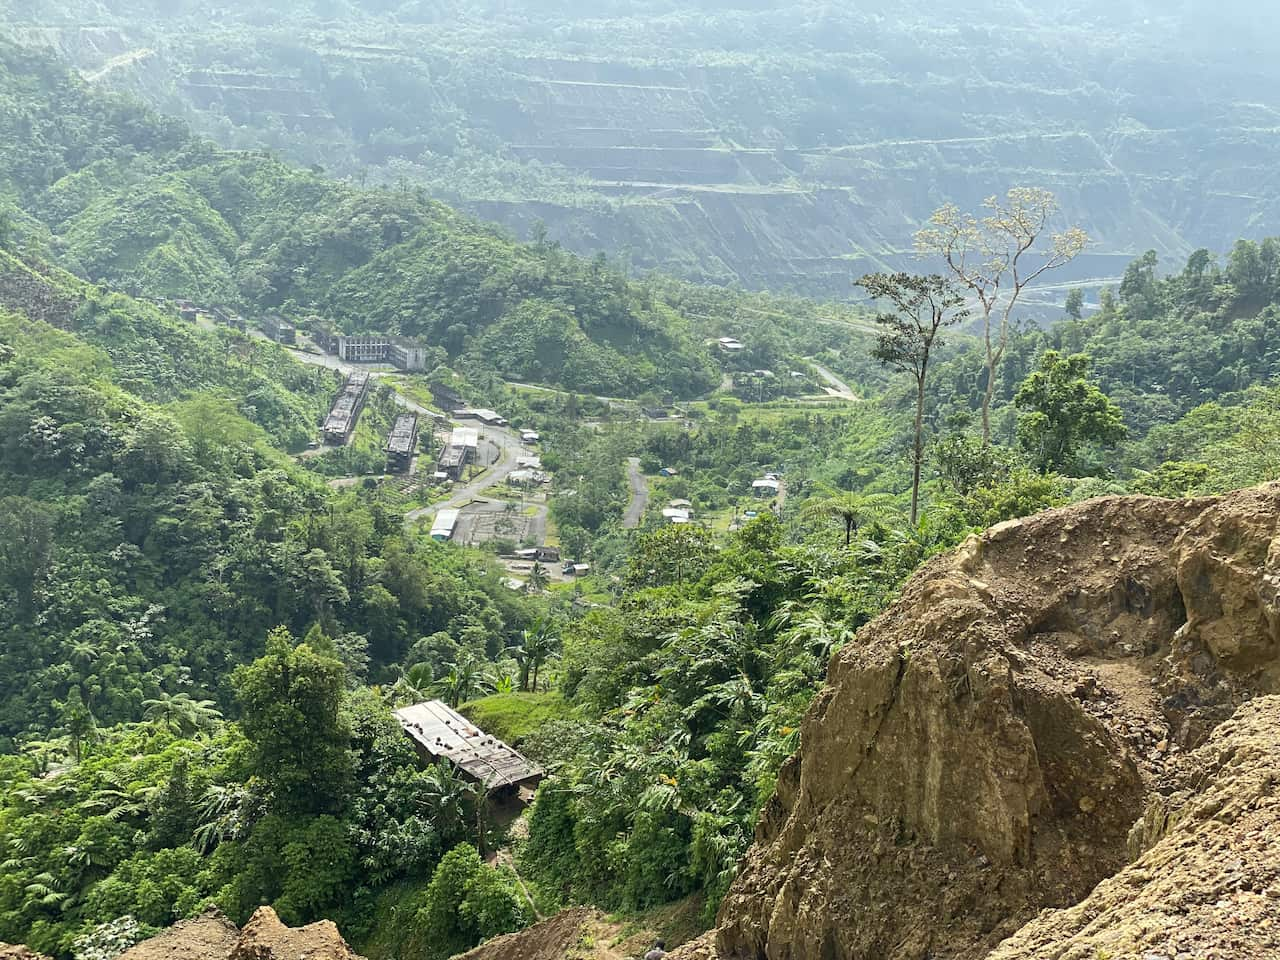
(446, 734)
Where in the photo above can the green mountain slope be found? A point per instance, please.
(123, 198)
(778, 145)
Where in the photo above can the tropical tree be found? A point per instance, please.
(180, 714)
(78, 722)
(850, 510)
(413, 685)
(464, 681)
(1063, 409)
(996, 257)
(298, 738)
(538, 579)
(538, 644)
(446, 795)
(921, 308)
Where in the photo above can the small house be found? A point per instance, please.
(441, 733)
(444, 525)
(766, 486)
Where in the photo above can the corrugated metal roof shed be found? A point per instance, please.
(445, 521)
(446, 734)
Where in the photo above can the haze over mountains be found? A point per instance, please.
(786, 146)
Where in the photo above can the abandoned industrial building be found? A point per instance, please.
(491, 417)
(226, 316)
(279, 329)
(345, 412)
(403, 354)
(462, 449)
(402, 444)
(441, 733)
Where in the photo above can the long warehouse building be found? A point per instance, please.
(445, 523)
(345, 412)
(402, 444)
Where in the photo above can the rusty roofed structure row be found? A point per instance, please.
(345, 412)
(402, 443)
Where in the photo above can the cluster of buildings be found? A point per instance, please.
(345, 412)
(678, 512)
(402, 444)
(190, 311)
(528, 472)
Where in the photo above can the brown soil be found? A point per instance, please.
(9, 951)
(213, 937)
(982, 752)
(577, 934)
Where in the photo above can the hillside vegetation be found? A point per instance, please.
(783, 146)
(201, 643)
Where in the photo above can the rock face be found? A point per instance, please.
(1207, 882)
(212, 936)
(984, 749)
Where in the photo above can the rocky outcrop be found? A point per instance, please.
(983, 750)
(212, 936)
(1207, 882)
(265, 937)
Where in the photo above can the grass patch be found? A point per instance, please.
(513, 716)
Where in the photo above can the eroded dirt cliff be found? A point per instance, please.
(212, 936)
(983, 750)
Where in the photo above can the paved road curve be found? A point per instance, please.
(509, 447)
(836, 387)
(639, 495)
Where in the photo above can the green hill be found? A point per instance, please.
(783, 146)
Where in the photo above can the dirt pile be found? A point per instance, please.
(1207, 881)
(577, 934)
(212, 936)
(9, 951)
(984, 749)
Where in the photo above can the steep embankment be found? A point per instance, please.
(1058, 743)
(984, 752)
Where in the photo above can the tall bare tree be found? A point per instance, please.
(910, 332)
(996, 257)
